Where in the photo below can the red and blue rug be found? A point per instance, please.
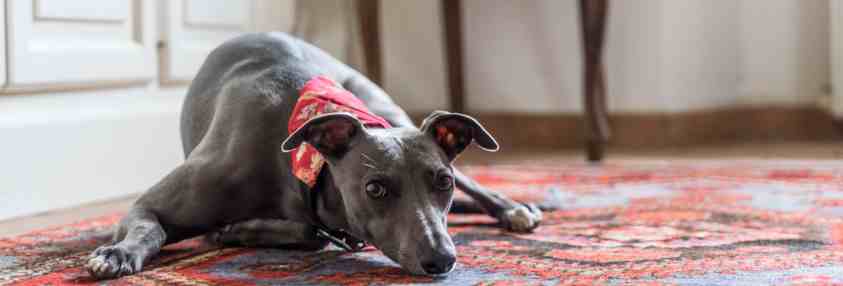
(621, 223)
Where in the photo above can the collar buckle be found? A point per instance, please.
(342, 239)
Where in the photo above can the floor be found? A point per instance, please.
(803, 150)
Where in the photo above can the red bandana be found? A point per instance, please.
(322, 95)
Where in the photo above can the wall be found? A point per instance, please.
(836, 30)
(526, 65)
(413, 56)
(700, 55)
(785, 56)
(662, 55)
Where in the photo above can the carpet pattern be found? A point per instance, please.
(621, 223)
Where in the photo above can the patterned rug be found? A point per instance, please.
(621, 223)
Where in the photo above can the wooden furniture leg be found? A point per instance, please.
(453, 41)
(592, 23)
(592, 19)
(368, 12)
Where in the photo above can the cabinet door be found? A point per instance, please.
(80, 42)
(192, 28)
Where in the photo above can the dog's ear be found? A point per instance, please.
(331, 134)
(454, 131)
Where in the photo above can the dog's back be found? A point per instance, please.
(266, 62)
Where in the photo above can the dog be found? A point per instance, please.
(358, 171)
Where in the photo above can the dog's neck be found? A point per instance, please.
(330, 208)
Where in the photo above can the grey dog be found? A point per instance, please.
(390, 187)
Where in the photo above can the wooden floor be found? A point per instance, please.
(807, 151)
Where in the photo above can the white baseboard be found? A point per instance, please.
(61, 150)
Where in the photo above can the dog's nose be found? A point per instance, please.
(439, 264)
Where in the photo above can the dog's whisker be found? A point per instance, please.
(370, 163)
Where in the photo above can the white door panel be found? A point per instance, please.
(63, 10)
(79, 42)
(195, 27)
(220, 14)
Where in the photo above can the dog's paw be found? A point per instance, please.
(111, 261)
(521, 218)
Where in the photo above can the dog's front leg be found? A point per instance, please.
(138, 237)
(512, 215)
(269, 233)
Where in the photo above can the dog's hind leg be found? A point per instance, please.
(512, 215)
(273, 233)
(466, 206)
(469, 206)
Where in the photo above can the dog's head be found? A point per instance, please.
(397, 184)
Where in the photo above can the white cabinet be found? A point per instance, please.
(92, 69)
(80, 42)
(60, 45)
(192, 28)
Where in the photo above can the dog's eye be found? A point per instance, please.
(375, 190)
(444, 182)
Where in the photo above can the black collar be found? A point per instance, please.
(338, 237)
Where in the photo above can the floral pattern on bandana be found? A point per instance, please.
(322, 95)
